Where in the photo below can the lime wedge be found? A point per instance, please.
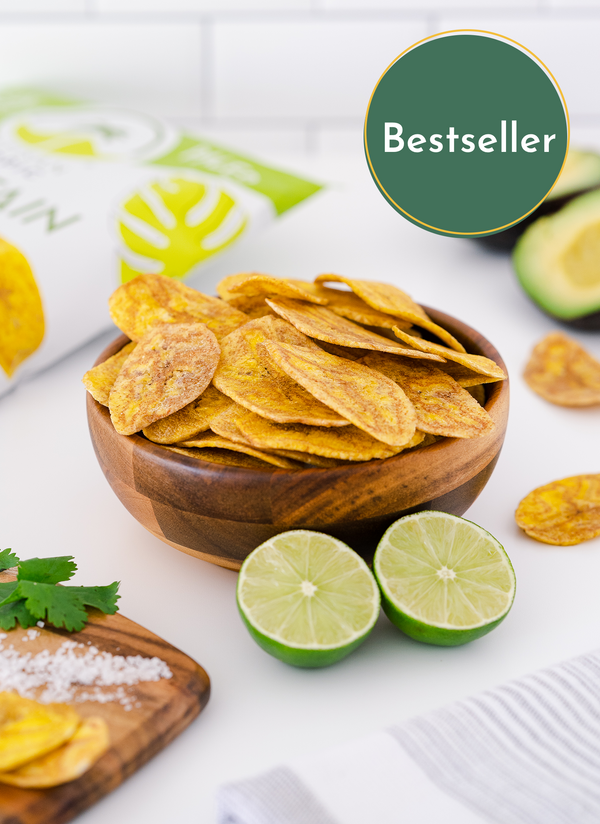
(444, 580)
(307, 598)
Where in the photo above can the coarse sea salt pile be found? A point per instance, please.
(61, 675)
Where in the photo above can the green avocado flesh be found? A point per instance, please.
(557, 259)
(580, 172)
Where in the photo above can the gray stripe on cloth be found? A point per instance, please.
(527, 752)
(276, 797)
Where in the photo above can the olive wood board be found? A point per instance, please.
(161, 710)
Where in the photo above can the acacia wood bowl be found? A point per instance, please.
(221, 513)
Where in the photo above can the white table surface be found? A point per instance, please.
(54, 500)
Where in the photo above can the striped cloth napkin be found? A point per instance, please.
(527, 752)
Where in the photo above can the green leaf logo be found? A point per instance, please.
(58, 142)
(172, 225)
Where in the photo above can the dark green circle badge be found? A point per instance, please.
(466, 133)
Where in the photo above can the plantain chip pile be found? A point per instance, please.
(287, 374)
(44, 745)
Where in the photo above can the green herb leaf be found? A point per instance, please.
(8, 559)
(10, 613)
(60, 606)
(47, 570)
(103, 598)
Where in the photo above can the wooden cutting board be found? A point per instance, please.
(160, 711)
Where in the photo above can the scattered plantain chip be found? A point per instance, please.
(393, 301)
(348, 443)
(99, 380)
(562, 372)
(477, 363)
(321, 323)
(191, 420)
(29, 729)
(147, 300)
(442, 406)
(171, 365)
(265, 388)
(65, 763)
(562, 513)
(365, 397)
(209, 440)
(21, 312)
(221, 456)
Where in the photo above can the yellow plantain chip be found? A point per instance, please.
(264, 388)
(29, 729)
(465, 376)
(350, 306)
(224, 285)
(171, 365)
(253, 307)
(99, 380)
(347, 443)
(393, 301)
(253, 285)
(321, 323)
(21, 310)
(562, 513)
(147, 300)
(208, 440)
(343, 351)
(67, 762)
(191, 420)
(562, 372)
(441, 405)
(365, 397)
(221, 456)
(477, 363)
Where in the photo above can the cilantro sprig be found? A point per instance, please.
(35, 596)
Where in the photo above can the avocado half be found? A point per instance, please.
(580, 174)
(557, 261)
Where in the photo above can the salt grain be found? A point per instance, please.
(59, 676)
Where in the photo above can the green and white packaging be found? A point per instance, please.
(90, 197)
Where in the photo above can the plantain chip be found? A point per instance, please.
(253, 307)
(321, 323)
(442, 406)
(562, 513)
(476, 363)
(348, 443)
(477, 392)
(29, 729)
(350, 306)
(393, 301)
(317, 461)
(208, 440)
(171, 365)
(65, 763)
(221, 456)
(148, 300)
(466, 377)
(254, 285)
(99, 380)
(365, 397)
(264, 388)
(191, 420)
(21, 312)
(562, 372)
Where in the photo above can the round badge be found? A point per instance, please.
(466, 133)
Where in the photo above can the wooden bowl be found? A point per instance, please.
(221, 513)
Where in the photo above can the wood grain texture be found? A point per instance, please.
(221, 513)
(166, 708)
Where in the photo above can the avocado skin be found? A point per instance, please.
(505, 241)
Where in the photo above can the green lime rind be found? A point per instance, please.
(307, 599)
(439, 633)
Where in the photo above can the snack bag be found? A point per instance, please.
(92, 196)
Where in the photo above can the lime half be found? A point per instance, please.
(443, 580)
(307, 598)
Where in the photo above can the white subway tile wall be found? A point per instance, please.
(275, 76)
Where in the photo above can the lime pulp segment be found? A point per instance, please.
(307, 598)
(443, 577)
